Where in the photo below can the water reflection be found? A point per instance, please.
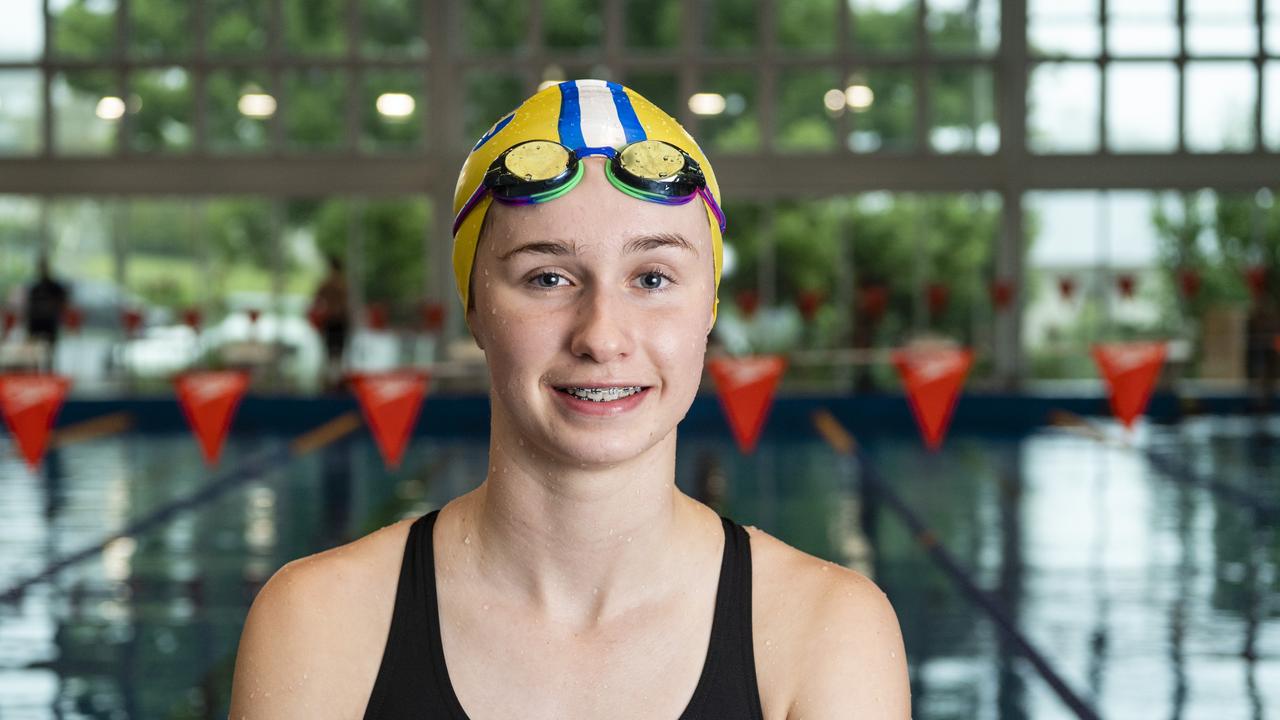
(1149, 597)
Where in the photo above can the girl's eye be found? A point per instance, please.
(653, 280)
(547, 280)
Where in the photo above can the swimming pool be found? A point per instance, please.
(1149, 595)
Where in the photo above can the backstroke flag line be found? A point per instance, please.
(390, 402)
(932, 377)
(1130, 370)
(30, 404)
(209, 400)
(745, 387)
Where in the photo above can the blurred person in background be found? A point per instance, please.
(46, 302)
(332, 316)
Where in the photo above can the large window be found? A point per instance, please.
(897, 157)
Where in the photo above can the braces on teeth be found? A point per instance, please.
(602, 394)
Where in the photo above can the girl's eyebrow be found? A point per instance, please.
(641, 243)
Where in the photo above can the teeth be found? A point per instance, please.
(602, 394)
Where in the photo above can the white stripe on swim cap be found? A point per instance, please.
(600, 124)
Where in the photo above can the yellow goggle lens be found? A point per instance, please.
(537, 160)
(652, 160)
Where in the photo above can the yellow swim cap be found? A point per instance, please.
(582, 115)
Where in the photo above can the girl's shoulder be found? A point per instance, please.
(825, 637)
(315, 634)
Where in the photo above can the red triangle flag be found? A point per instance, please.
(745, 386)
(209, 400)
(1130, 370)
(933, 377)
(390, 402)
(30, 403)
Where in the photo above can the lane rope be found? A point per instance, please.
(846, 446)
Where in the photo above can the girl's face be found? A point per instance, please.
(595, 293)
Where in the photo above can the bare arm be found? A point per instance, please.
(856, 665)
(314, 637)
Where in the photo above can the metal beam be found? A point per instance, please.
(741, 176)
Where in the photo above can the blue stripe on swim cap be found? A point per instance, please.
(627, 114)
(497, 128)
(570, 124)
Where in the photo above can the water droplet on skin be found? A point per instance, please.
(466, 540)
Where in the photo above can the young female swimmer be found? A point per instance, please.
(577, 581)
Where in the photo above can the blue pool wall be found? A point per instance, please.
(448, 415)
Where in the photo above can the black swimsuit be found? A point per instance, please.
(413, 681)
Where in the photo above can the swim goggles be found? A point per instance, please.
(537, 171)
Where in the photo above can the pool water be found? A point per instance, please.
(1149, 595)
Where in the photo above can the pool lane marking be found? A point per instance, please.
(339, 427)
(845, 445)
(256, 465)
(1169, 468)
(91, 429)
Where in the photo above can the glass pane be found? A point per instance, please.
(83, 29)
(490, 95)
(495, 25)
(1089, 238)
(1221, 27)
(21, 111)
(237, 27)
(572, 24)
(1142, 27)
(660, 87)
(963, 110)
(160, 110)
(883, 112)
(239, 256)
(1064, 28)
(241, 108)
(22, 33)
(731, 24)
(393, 265)
(653, 24)
(1220, 106)
(83, 259)
(87, 108)
(391, 110)
(1271, 108)
(164, 273)
(315, 108)
(159, 30)
(392, 27)
(963, 25)
(808, 102)
(1272, 29)
(318, 230)
(883, 25)
(315, 27)
(1142, 107)
(1063, 100)
(727, 105)
(1065, 8)
(808, 25)
(19, 244)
